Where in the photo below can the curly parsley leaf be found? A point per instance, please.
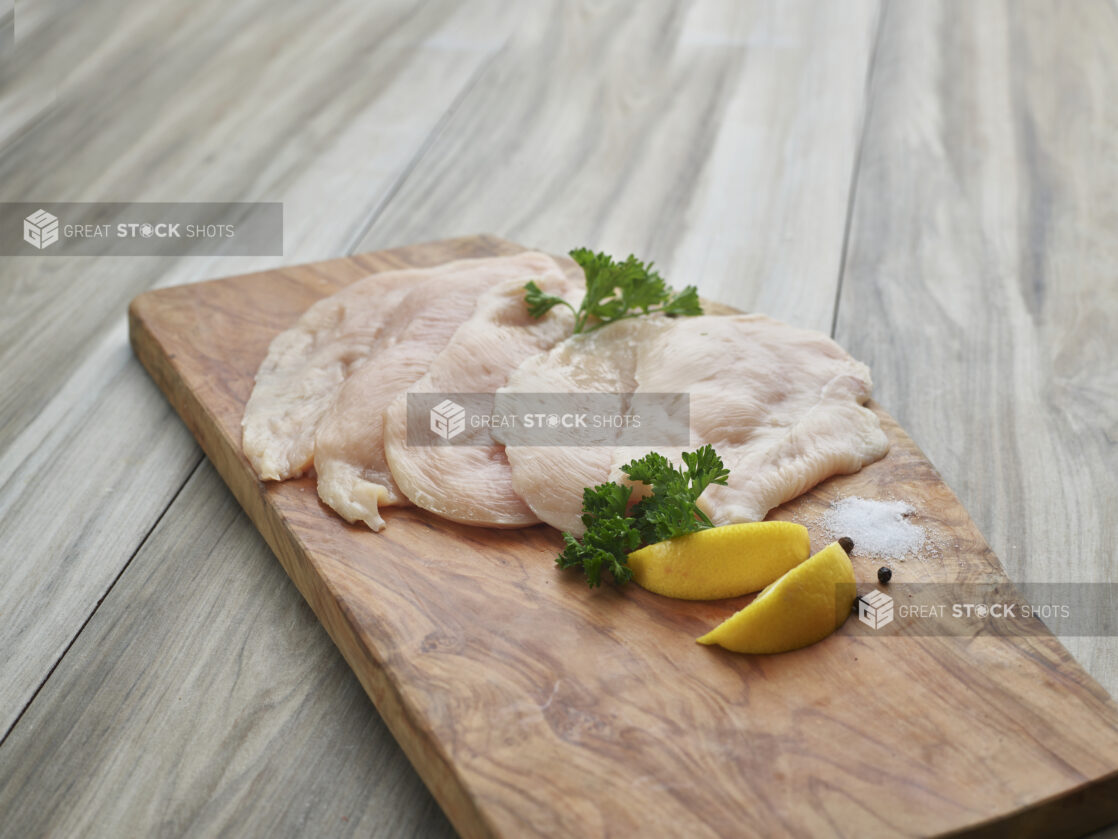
(539, 302)
(614, 530)
(605, 548)
(685, 303)
(670, 510)
(615, 291)
(704, 467)
(604, 501)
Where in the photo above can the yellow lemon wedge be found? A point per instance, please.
(725, 561)
(804, 606)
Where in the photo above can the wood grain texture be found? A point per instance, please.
(84, 438)
(72, 511)
(528, 702)
(666, 134)
(286, 130)
(763, 103)
(257, 723)
(334, 110)
(981, 285)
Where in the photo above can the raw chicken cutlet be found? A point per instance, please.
(307, 364)
(784, 407)
(472, 484)
(349, 458)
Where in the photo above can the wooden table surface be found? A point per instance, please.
(933, 183)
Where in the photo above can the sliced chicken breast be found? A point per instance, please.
(473, 483)
(784, 407)
(306, 366)
(551, 478)
(349, 457)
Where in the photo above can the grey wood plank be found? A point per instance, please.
(203, 699)
(981, 284)
(319, 107)
(717, 138)
(74, 510)
(327, 112)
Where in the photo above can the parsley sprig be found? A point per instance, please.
(613, 530)
(615, 291)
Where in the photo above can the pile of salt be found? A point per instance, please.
(878, 528)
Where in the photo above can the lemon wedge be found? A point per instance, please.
(721, 562)
(804, 606)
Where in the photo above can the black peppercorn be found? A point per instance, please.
(884, 574)
(847, 544)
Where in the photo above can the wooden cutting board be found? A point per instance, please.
(533, 706)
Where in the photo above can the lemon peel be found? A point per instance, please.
(805, 605)
(725, 561)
